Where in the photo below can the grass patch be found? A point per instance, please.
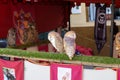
(57, 56)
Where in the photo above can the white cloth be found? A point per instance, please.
(105, 74)
(36, 72)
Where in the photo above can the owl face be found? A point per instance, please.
(117, 38)
(71, 34)
(51, 38)
(12, 32)
(11, 37)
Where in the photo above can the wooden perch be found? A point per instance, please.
(61, 58)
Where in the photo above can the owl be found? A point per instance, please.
(56, 41)
(117, 43)
(11, 37)
(69, 44)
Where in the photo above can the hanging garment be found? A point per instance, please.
(100, 26)
(103, 74)
(36, 72)
(25, 27)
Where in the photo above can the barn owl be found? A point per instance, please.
(69, 43)
(56, 41)
(117, 43)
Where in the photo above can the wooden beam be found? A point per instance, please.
(111, 29)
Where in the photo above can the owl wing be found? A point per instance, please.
(59, 43)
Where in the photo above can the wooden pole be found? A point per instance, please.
(111, 29)
(69, 12)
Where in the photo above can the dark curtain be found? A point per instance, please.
(48, 16)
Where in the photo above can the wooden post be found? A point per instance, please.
(69, 12)
(111, 29)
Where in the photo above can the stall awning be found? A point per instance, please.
(108, 2)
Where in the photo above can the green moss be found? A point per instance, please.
(57, 56)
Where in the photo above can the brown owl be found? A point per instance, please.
(56, 41)
(69, 43)
(11, 37)
(117, 44)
